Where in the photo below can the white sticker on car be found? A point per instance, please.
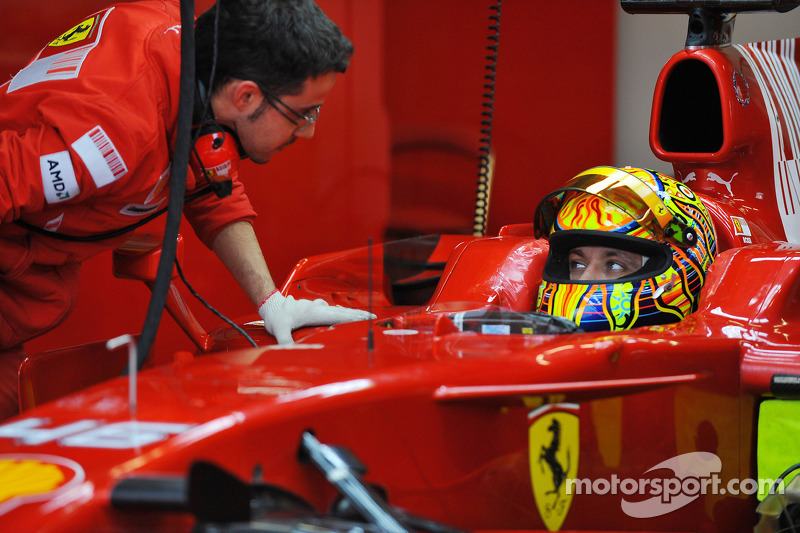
(91, 433)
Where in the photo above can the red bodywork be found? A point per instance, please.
(441, 412)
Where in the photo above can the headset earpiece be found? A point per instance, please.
(216, 156)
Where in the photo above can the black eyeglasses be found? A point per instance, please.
(301, 121)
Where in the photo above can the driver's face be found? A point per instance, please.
(600, 263)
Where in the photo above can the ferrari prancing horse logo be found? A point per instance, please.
(75, 34)
(553, 444)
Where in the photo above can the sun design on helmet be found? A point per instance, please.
(642, 213)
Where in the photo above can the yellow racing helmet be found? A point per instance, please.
(635, 210)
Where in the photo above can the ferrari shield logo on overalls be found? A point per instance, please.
(553, 445)
(75, 34)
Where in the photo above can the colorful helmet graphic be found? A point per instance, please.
(634, 210)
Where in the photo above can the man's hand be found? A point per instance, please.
(283, 314)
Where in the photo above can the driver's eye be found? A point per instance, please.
(575, 265)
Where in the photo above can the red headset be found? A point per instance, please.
(216, 155)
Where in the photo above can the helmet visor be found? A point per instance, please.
(617, 187)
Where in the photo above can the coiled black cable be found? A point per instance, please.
(485, 147)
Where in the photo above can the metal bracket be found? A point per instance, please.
(710, 21)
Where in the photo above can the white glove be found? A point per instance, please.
(283, 314)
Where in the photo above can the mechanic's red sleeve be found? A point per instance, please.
(209, 215)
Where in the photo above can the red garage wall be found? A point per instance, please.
(554, 100)
(417, 74)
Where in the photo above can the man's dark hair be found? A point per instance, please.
(276, 43)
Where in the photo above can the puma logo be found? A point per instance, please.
(718, 179)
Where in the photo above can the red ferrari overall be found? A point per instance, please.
(86, 136)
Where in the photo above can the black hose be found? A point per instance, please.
(180, 166)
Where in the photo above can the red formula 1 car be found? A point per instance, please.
(459, 408)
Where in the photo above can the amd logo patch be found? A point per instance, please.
(58, 177)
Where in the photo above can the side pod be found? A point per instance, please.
(722, 115)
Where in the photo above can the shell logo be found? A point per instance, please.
(30, 478)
